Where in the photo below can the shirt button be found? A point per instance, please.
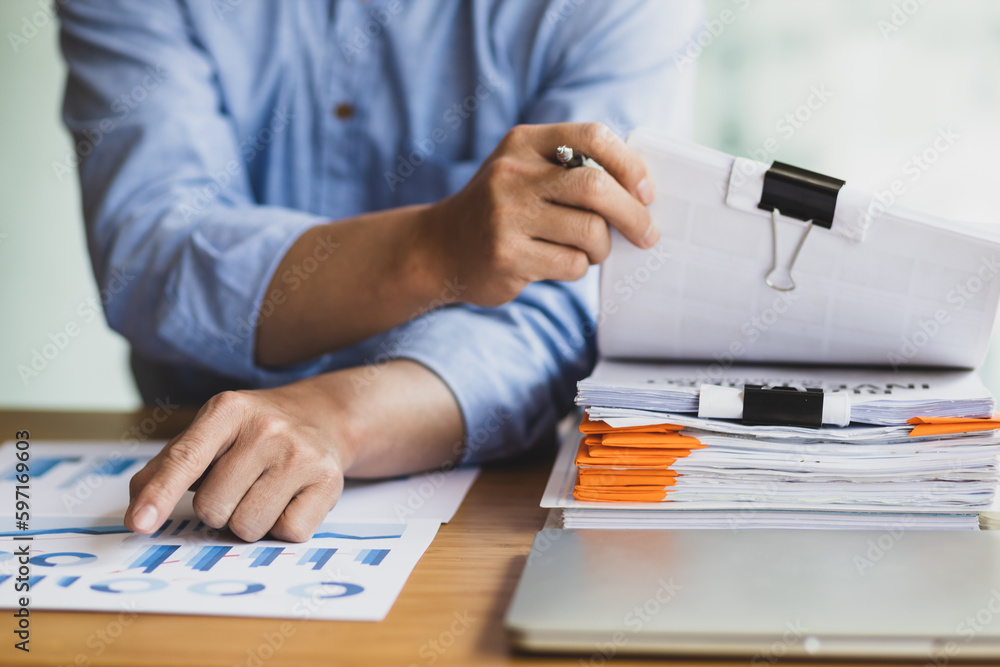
(344, 111)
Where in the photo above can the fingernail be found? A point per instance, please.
(646, 192)
(651, 237)
(145, 517)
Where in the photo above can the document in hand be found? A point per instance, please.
(872, 286)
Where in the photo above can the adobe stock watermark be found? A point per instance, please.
(793, 635)
(101, 639)
(271, 642)
(313, 599)
(432, 649)
(87, 311)
(968, 629)
(879, 546)
(32, 25)
(454, 117)
(958, 297)
(544, 540)
(419, 495)
(292, 279)
(634, 620)
(751, 506)
(625, 288)
(362, 36)
(162, 409)
(474, 440)
(752, 329)
(913, 168)
(122, 107)
(223, 7)
(711, 29)
(395, 343)
(562, 11)
(899, 16)
(786, 127)
(76, 497)
(201, 197)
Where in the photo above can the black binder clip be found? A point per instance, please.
(801, 194)
(782, 406)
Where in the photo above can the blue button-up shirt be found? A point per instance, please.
(212, 134)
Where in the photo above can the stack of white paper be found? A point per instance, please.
(884, 487)
(641, 465)
(876, 397)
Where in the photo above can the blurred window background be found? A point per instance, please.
(869, 90)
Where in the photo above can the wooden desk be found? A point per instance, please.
(449, 613)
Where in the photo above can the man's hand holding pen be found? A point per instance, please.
(524, 217)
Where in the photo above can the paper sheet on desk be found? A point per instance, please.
(352, 569)
(91, 479)
(347, 571)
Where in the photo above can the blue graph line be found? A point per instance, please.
(181, 526)
(93, 530)
(344, 536)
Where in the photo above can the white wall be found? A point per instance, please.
(44, 271)
(891, 93)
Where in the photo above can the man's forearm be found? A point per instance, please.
(402, 420)
(345, 281)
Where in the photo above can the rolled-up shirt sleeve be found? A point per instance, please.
(181, 252)
(514, 369)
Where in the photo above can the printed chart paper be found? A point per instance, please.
(81, 556)
(347, 571)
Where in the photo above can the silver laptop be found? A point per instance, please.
(761, 594)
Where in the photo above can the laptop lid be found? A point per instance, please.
(761, 594)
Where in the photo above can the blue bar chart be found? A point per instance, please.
(264, 556)
(206, 558)
(371, 556)
(152, 557)
(318, 557)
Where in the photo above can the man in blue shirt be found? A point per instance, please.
(343, 228)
